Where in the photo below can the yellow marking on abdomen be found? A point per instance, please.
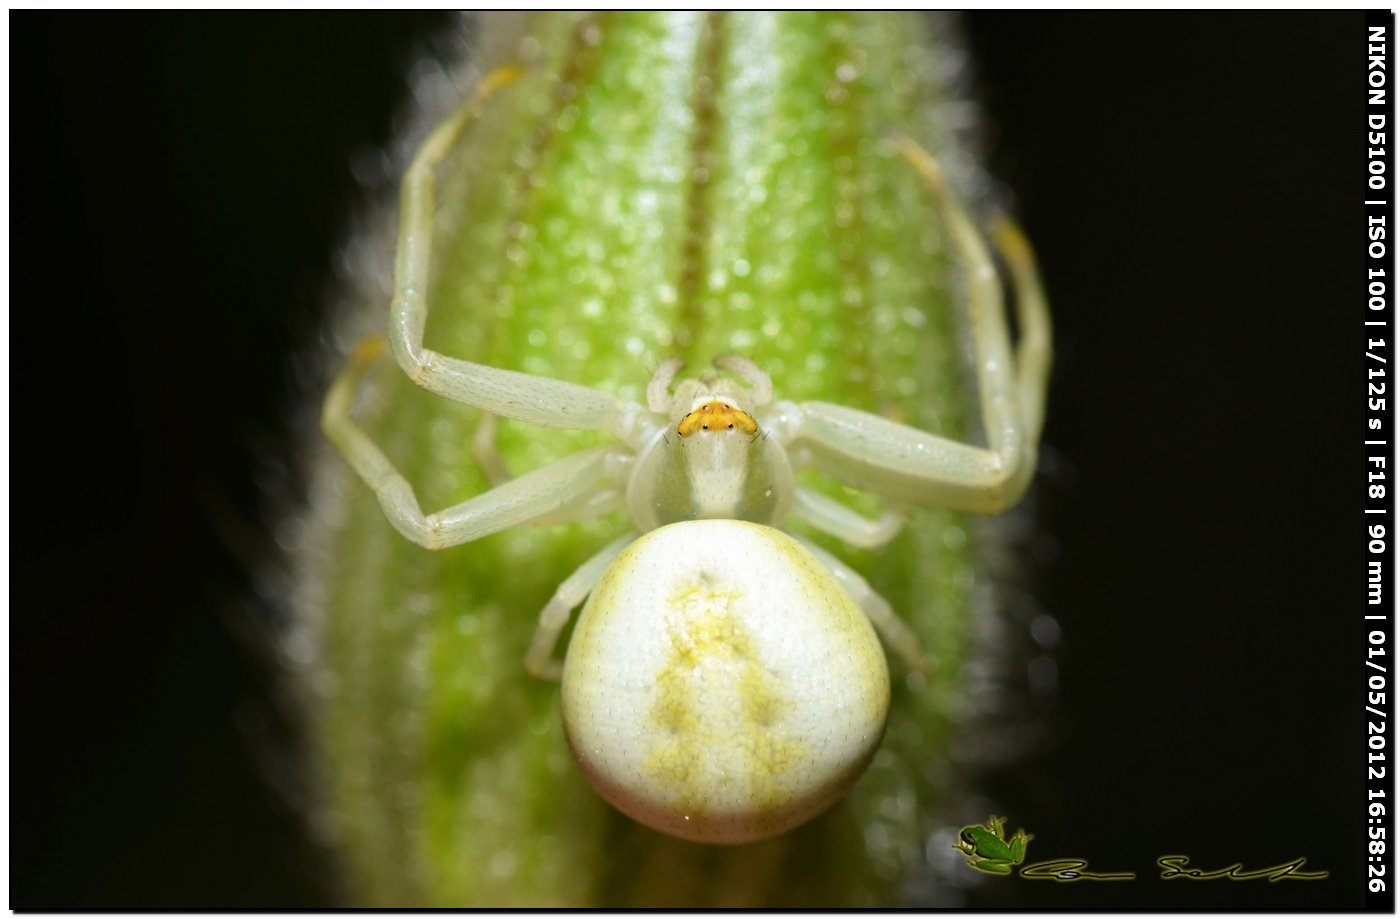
(713, 698)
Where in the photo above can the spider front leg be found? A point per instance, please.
(909, 464)
(562, 490)
(538, 400)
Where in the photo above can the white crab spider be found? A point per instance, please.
(721, 684)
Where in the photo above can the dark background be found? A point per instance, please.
(1192, 183)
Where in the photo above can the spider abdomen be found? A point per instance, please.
(721, 685)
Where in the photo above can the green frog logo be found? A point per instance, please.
(986, 848)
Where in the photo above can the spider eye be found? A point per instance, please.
(726, 416)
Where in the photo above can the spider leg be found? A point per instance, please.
(760, 383)
(1033, 350)
(569, 486)
(538, 400)
(488, 457)
(658, 390)
(540, 660)
(493, 465)
(906, 463)
(897, 635)
(833, 517)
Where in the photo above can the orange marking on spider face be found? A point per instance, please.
(717, 416)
